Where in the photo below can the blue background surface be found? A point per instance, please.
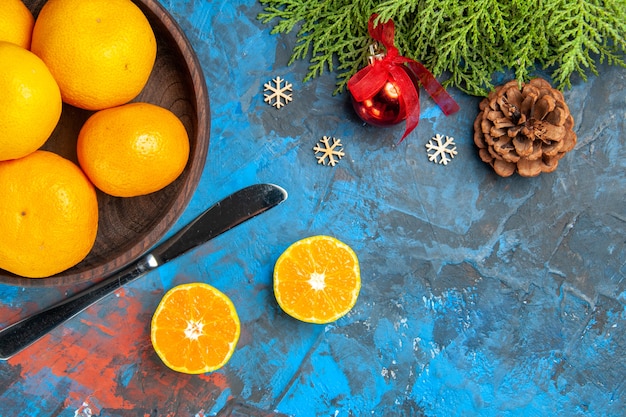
(481, 296)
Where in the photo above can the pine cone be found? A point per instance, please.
(527, 130)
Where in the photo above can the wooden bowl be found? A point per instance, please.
(128, 227)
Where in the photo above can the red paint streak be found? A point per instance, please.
(90, 354)
(217, 379)
(106, 353)
(10, 315)
(102, 327)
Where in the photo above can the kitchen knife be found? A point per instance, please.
(224, 215)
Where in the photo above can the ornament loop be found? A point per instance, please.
(375, 54)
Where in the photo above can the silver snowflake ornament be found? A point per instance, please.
(279, 94)
(441, 152)
(333, 152)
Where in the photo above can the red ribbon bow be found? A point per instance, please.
(367, 82)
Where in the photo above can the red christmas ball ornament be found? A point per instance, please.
(386, 91)
(386, 107)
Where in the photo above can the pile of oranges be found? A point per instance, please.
(97, 56)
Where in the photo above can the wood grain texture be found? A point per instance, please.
(128, 227)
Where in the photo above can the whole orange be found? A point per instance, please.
(48, 215)
(133, 149)
(31, 102)
(16, 23)
(101, 52)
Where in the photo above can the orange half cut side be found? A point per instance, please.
(195, 328)
(317, 279)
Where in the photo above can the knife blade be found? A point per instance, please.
(217, 219)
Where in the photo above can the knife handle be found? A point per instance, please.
(25, 332)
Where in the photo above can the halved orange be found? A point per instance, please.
(317, 279)
(195, 328)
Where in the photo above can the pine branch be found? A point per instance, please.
(585, 29)
(525, 47)
(468, 41)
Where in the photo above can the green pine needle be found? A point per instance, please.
(467, 41)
